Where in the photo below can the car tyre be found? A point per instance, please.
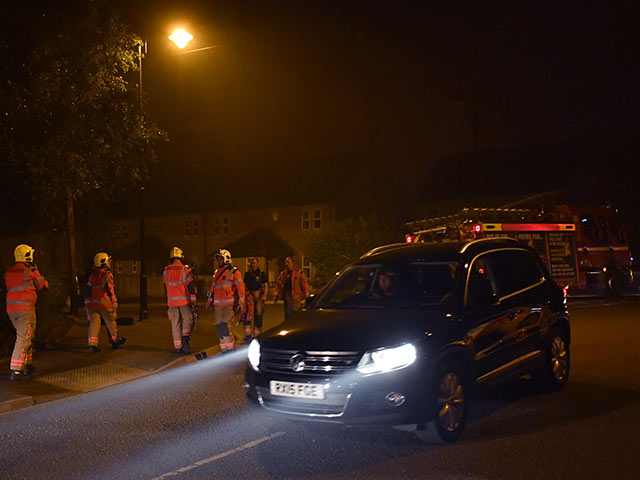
(555, 373)
(448, 406)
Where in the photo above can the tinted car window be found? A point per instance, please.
(514, 270)
(430, 282)
(384, 285)
(348, 288)
(481, 286)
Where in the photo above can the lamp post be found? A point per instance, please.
(181, 38)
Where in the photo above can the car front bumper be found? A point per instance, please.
(349, 398)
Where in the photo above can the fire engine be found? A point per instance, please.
(585, 248)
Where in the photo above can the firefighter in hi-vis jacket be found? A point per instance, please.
(101, 303)
(23, 281)
(181, 299)
(227, 297)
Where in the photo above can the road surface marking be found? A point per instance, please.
(219, 456)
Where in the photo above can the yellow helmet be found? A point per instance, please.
(176, 253)
(23, 253)
(102, 259)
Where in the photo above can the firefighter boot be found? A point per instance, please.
(29, 369)
(118, 343)
(185, 344)
(93, 349)
(16, 376)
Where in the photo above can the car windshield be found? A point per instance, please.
(376, 286)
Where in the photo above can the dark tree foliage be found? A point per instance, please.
(72, 125)
(344, 242)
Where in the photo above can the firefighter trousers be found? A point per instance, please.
(109, 317)
(25, 325)
(224, 318)
(180, 328)
(253, 315)
(291, 305)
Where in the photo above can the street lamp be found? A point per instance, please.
(181, 38)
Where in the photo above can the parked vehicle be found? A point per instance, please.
(405, 335)
(585, 248)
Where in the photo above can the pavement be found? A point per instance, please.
(66, 368)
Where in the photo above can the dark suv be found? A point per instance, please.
(404, 335)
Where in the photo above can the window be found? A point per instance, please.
(195, 231)
(602, 223)
(306, 221)
(430, 282)
(589, 227)
(187, 228)
(480, 287)
(225, 225)
(317, 220)
(306, 266)
(615, 227)
(513, 270)
(134, 266)
(118, 267)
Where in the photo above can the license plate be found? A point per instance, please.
(298, 390)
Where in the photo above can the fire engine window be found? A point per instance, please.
(589, 227)
(616, 230)
(514, 270)
(602, 223)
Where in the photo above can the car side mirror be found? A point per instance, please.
(309, 301)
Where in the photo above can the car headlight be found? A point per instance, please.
(254, 353)
(387, 359)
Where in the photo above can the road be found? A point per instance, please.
(192, 422)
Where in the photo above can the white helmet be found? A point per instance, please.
(225, 254)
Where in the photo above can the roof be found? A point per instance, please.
(262, 242)
(441, 251)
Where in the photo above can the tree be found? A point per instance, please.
(344, 242)
(74, 130)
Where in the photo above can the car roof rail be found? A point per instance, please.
(383, 248)
(492, 239)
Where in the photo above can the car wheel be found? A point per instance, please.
(448, 406)
(555, 373)
(615, 285)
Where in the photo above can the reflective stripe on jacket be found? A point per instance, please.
(299, 285)
(103, 293)
(177, 279)
(227, 287)
(23, 283)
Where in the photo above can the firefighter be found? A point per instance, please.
(101, 303)
(292, 287)
(257, 287)
(227, 297)
(23, 281)
(181, 299)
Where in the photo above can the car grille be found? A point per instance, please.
(315, 363)
(296, 407)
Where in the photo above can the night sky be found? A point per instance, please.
(297, 85)
(300, 99)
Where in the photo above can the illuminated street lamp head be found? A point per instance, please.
(181, 37)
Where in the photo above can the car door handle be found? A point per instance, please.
(513, 314)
